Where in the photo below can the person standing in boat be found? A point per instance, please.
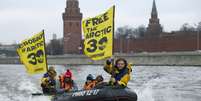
(52, 77)
(45, 84)
(52, 72)
(48, 81)
(120, 72)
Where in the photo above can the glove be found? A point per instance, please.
(108, 62)
(113, 80)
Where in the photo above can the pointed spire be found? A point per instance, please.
(154, 12)
(154, 28)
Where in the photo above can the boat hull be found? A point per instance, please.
(104, 94)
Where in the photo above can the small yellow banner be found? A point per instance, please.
(98, 35)
(32, 54)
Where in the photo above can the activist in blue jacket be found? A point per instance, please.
(48, 81)
(48, 84)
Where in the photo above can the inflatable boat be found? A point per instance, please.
(106, 93)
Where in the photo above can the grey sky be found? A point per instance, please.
(20, 19)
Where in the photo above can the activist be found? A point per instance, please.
(52, 72)
(62, 76)
(90, 82)
(67, 84)
(48, 84)
(68, 72)
(99, 80)
(48, 81)
(120, 72)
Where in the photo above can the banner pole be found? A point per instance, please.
(113, 29)
(45, 49)
(113, 71)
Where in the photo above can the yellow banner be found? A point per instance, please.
(32, 54)
(98, 35)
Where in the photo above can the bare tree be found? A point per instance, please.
(199, 26)
(125, 32)
(55, 47)
(187, 28)
(140, 31)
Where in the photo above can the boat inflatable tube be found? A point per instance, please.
(103, 94)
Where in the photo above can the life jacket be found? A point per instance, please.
(68, 86)
(121, 76)
(68, 73)
(89, 85)
(65, 85)
(120, 73)
(44, 82)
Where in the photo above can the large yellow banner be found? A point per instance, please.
(98, 35)
(32, 54)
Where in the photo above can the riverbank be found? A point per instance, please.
(149, 59)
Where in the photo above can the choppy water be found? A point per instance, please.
(151, 83)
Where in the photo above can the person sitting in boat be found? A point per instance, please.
(120, 72)
(66, 82)
(52, 76)
(68, 72)
(90, 82)
(61, 77)
(48, 84)
(61, 80)
(99, 80)
(52, 72)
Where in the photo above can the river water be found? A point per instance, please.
(151, 83)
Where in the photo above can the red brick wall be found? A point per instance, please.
(72, 37)
(160, 44)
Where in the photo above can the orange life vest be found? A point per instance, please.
(89, 85)
(68, 86)
(63, 85)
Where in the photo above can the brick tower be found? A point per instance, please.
(72, 18)
(154, 28)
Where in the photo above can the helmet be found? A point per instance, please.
(90, 77)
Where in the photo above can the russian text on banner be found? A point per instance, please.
(32, 53)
